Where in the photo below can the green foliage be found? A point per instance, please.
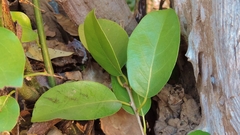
(27, 33)
(106, 41)
(198, 132)
(152, 52)
(12, 59)
(122, 95)
(9, 112)
(12, 63)
(83, 100)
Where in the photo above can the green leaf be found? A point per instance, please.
(107, 42)
(12, 59)
(9, 112)
(122, 95)
(152, 52)
(27, 33)
(82, 35)
(198, 132)
(83, 100)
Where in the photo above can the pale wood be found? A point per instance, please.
(115, 10)
(212, 30)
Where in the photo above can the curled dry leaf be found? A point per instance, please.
(160, 125)
(165, 112)
(173, 122)
(178, 112)
(192, 111)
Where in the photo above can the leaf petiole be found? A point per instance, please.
(143, 103)
(125, 103)
(125, 80)
(4, 102)
(41, 73)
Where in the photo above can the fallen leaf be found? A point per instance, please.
(33, 51)
(121, 123)
(94, 72)
(73, 75)
(58, 53)
(48, 32)
(79, 49)
(42, 127)
(68, 25)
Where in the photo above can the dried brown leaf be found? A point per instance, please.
(68, 25)
(74, 75)
(121, 123)
(42, 127)
(94, 72)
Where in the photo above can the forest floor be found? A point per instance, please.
(175, 110)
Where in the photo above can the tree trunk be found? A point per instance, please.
(212, 31)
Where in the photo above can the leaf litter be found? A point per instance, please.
(176, 112)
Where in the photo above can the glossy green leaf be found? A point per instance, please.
(82, 35)
(152, 52)
(9, 112)
(107, 43)
(82, 100)
(199, 132)
(27, 33)
(122, 95)
(12, 59)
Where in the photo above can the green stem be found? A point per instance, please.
(143, 103)
(119, 80)
(42, 38)
(125, 80)
(134, 108)
(144, 123)
(41, 73)
(124, 103)
(132, 104)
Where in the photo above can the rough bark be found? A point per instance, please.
(212, 31)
